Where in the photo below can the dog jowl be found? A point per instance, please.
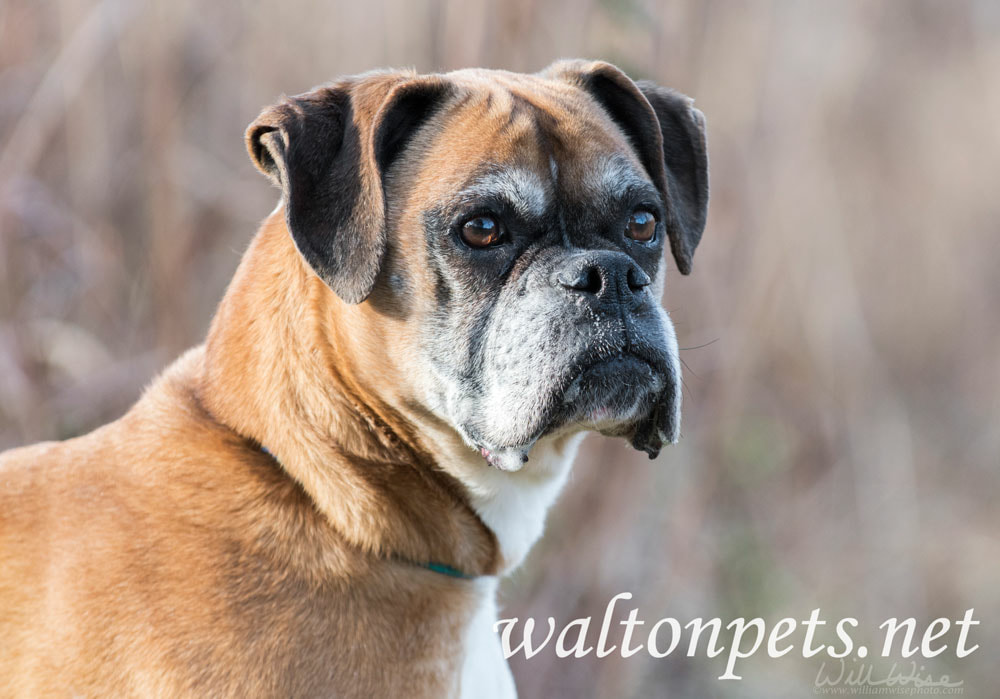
(516, 225)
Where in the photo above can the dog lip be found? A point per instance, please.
(511, 456)
(644, 373)
(620, 356)
(591, 363)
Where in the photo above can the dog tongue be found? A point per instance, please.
(505, 459)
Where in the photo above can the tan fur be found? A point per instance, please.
(143, 557)
(166, 554)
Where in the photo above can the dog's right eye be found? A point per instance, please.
(482, 232)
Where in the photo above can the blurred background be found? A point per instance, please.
(841, 442)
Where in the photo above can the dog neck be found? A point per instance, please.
(513, 504)
(395, 480)
(273, 376)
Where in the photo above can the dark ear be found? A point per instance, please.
(328, 150)
(685, 156)
(668, 134)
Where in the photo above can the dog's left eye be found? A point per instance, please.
(482, 232)
(641, 226)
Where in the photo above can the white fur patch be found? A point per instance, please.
(485, 673)
(514, 504)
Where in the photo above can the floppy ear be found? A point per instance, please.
(328, 150)
(668, 134)
(685, 156)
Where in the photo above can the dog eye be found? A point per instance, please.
(641, 226)
(482, 232)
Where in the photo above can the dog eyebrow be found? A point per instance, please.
(520, 188)
(614, 174)
(618, 180)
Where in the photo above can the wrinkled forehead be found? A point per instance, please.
(528, 141)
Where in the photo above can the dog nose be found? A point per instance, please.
(606, 275)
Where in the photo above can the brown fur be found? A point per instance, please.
(166, 554)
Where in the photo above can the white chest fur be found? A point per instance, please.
(485, 673)
(514, 504)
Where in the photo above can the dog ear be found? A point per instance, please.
(668, 134)
(685, 157)
(329, 150)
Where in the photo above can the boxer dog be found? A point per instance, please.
(463, 275)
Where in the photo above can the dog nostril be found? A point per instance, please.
(637, 279)
(595, 281)
(587, 279)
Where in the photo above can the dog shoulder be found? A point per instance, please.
(94, 528)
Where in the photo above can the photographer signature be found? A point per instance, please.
(863, 674)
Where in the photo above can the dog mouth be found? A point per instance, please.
(623, 394)
(611, 392)
(628, 395)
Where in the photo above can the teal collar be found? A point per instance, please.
(446, 570)
(430, 565)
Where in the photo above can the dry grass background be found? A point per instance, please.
(842, 428)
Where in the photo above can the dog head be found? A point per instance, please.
(504, 234)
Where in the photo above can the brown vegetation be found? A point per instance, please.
(842, 423)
